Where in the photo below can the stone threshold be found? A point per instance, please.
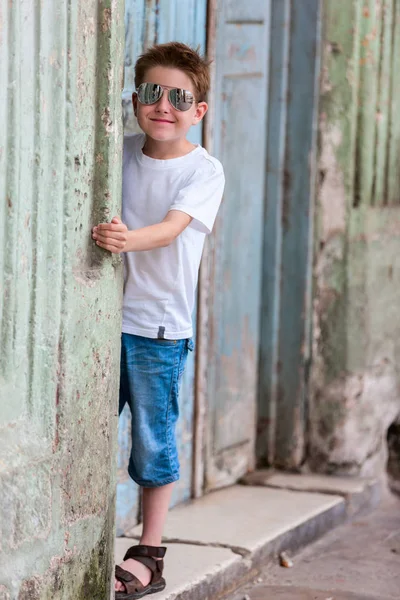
(217, 543)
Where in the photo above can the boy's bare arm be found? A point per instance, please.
(116, 238)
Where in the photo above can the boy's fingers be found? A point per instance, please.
(109, 247)
(116, 220)
(109, 235)
(111, 226)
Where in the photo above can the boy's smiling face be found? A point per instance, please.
(161, 121)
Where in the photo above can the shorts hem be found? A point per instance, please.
(153, 484)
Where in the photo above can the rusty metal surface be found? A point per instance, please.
(60, 157)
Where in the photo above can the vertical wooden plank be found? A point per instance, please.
(288, 232)
(134, 32)
(200, 405)
(128, 498)
(234, 253)
(135, 19)
(272, 242)
(151, 23)
(297, 225)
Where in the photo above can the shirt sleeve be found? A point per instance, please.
(201, 196)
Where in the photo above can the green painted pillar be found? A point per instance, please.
(60, 172)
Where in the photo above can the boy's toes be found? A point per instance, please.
(119, 587)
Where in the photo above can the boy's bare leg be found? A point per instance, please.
(155, 508)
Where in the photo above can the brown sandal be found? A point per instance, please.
(133, 587)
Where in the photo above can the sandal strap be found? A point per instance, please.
(156, 566)
(149, 551)
(147, 555)
(150, 563)
(132, 584)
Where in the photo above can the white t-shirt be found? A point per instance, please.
(160, 284)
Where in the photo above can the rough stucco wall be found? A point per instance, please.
(355, 376)
(60, 153)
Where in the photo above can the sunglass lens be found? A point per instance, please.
(181, 99)
(149, 93)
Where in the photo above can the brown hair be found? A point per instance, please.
(177, 56)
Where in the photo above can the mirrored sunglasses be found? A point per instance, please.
(150, 93)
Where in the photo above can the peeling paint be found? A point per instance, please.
(332, 191)
(106, 119)
(65, 578)
(106, 23)
(61, 304)
(355, 377)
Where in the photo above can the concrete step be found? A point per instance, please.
(218, 542)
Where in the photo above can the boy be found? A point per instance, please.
(171, 193)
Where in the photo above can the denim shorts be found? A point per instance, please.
(151, 370)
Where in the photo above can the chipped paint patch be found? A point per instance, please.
(332, 192)
(106, 120)
(106, 23)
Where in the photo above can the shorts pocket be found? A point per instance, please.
(183, 360)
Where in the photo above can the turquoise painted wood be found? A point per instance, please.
(147, 23)
(288, 233)
(235, 255)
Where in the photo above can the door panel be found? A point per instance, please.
(235, 250)
(288, 234)
(251, 10)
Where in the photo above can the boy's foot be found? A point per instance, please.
(140, 571)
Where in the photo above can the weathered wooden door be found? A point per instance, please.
(288, 235)
(147, 23)
(231, 277)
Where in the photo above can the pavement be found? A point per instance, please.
(224, 540)
(357, 561)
